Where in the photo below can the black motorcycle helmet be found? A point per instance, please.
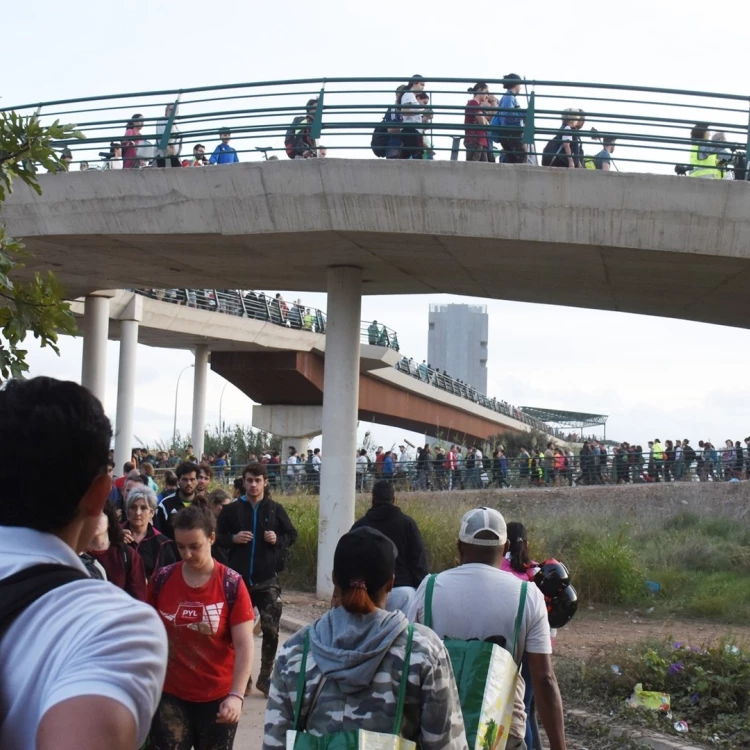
(561, 608)
(552, 578)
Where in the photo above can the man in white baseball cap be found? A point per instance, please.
(477, 600)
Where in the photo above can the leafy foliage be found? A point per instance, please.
(236, 441)
(35, 306)
(709, 687)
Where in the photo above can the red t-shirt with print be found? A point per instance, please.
(201, 656)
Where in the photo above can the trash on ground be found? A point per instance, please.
(649, 699)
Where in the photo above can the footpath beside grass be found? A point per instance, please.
(692, 539)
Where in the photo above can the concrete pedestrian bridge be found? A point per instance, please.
(281, 368)
(640, 243)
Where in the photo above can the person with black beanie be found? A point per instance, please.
(402, 530)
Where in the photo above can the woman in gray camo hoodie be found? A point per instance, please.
(356, 658)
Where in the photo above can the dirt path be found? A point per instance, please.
(590, 631)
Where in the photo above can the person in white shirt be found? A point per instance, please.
(316, 460)
(411, 112)
(82, 665)
(291, 468)
(477, 600)
(478, 466)
(362, 464)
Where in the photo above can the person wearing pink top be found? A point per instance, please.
(450, 465)
(517, 562)
(131, 141)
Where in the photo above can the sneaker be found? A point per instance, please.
(263, 684)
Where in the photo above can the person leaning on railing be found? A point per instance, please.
(704, 159)
(559, 151)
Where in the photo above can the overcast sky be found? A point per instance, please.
(654, 377)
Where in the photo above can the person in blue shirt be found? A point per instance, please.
(224, 153)
(388, 466)
(510, 118)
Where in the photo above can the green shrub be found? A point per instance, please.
(708, 687)
(606, 570)
(700, 556)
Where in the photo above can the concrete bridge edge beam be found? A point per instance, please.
(340, 413)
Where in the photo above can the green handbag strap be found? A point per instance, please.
(428, 600)
(404, 682)
(519, 618)
(301, 681)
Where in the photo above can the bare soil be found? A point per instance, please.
(591, 631)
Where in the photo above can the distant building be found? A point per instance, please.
(457, 342)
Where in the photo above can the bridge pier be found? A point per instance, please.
(200, 379)
(129, 322)
(295, 425)
(95, 335)
(339, 418)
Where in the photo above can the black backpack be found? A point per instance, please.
(293, 138)
(380, 135)
(20, 590)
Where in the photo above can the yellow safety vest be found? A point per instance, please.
(657, 452)
(707, 167)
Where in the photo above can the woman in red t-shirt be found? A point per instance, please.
(207, 612)
(122, 564)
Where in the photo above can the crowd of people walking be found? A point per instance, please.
(494, 125)
(149, 608)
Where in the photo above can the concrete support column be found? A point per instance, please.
(301, 444)
(340, 411)
(199, 399)
(126, 393)
(95, 335)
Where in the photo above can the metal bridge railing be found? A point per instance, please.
(259, 306)
(652, 126)
(495, 472)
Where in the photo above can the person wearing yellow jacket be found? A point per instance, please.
(704, 160)
(657, 454)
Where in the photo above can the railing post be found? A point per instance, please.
(747, 145)
(528, 126)
(243, 307)
(317, 124)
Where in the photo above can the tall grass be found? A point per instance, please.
(693, 540)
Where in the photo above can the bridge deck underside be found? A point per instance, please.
(707, 288)
(296, 378)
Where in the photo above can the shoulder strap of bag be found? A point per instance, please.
(161, 576)
(301, 682)
(404, 683)
(428, 600)
(519, 619)
(22, 589)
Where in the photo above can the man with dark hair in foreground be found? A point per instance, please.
(81, 663)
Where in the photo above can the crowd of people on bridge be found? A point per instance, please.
(494, 125)
(446, 467)
(149, 605)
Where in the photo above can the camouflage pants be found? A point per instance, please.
(266, 597)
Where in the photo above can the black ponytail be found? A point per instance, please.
(519, 547)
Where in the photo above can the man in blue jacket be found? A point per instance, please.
(510, 118)
(224, 153)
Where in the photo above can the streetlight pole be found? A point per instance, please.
(176, 391)
(221, 398)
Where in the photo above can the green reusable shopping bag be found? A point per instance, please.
(357, 739)
(486, 675)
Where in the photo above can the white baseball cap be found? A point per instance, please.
(483, 519)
